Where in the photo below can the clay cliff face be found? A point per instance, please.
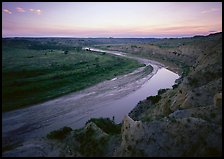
(186, 120)
(188, 117)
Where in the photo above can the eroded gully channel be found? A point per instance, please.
(115, 97)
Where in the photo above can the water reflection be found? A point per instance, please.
(164, 78)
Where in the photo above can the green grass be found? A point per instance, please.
(30, 76)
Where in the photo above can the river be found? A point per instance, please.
(115, 97)
(160, 78)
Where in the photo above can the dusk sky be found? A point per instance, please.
(110, 19)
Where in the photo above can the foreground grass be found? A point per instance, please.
(33, 75)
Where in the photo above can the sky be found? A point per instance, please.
(110, 19)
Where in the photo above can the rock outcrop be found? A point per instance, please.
(191, 113)
(132, 133)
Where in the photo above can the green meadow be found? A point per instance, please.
(33, 72)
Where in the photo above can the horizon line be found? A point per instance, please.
(110, 37)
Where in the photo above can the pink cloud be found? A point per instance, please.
(210, 10)
(36, 11)
(18, 9)
(7, 11)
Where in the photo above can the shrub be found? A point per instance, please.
(161, 91)
(90, 143)
(154, 99)
(175, 86)
(59, 134)
(106, 125)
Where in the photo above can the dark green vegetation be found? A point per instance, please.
(34, 71)
(161, 91)
(95, 143)
(107, 125)
(59, 134)
(95, 139)
(154, 99)
(90, 145)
